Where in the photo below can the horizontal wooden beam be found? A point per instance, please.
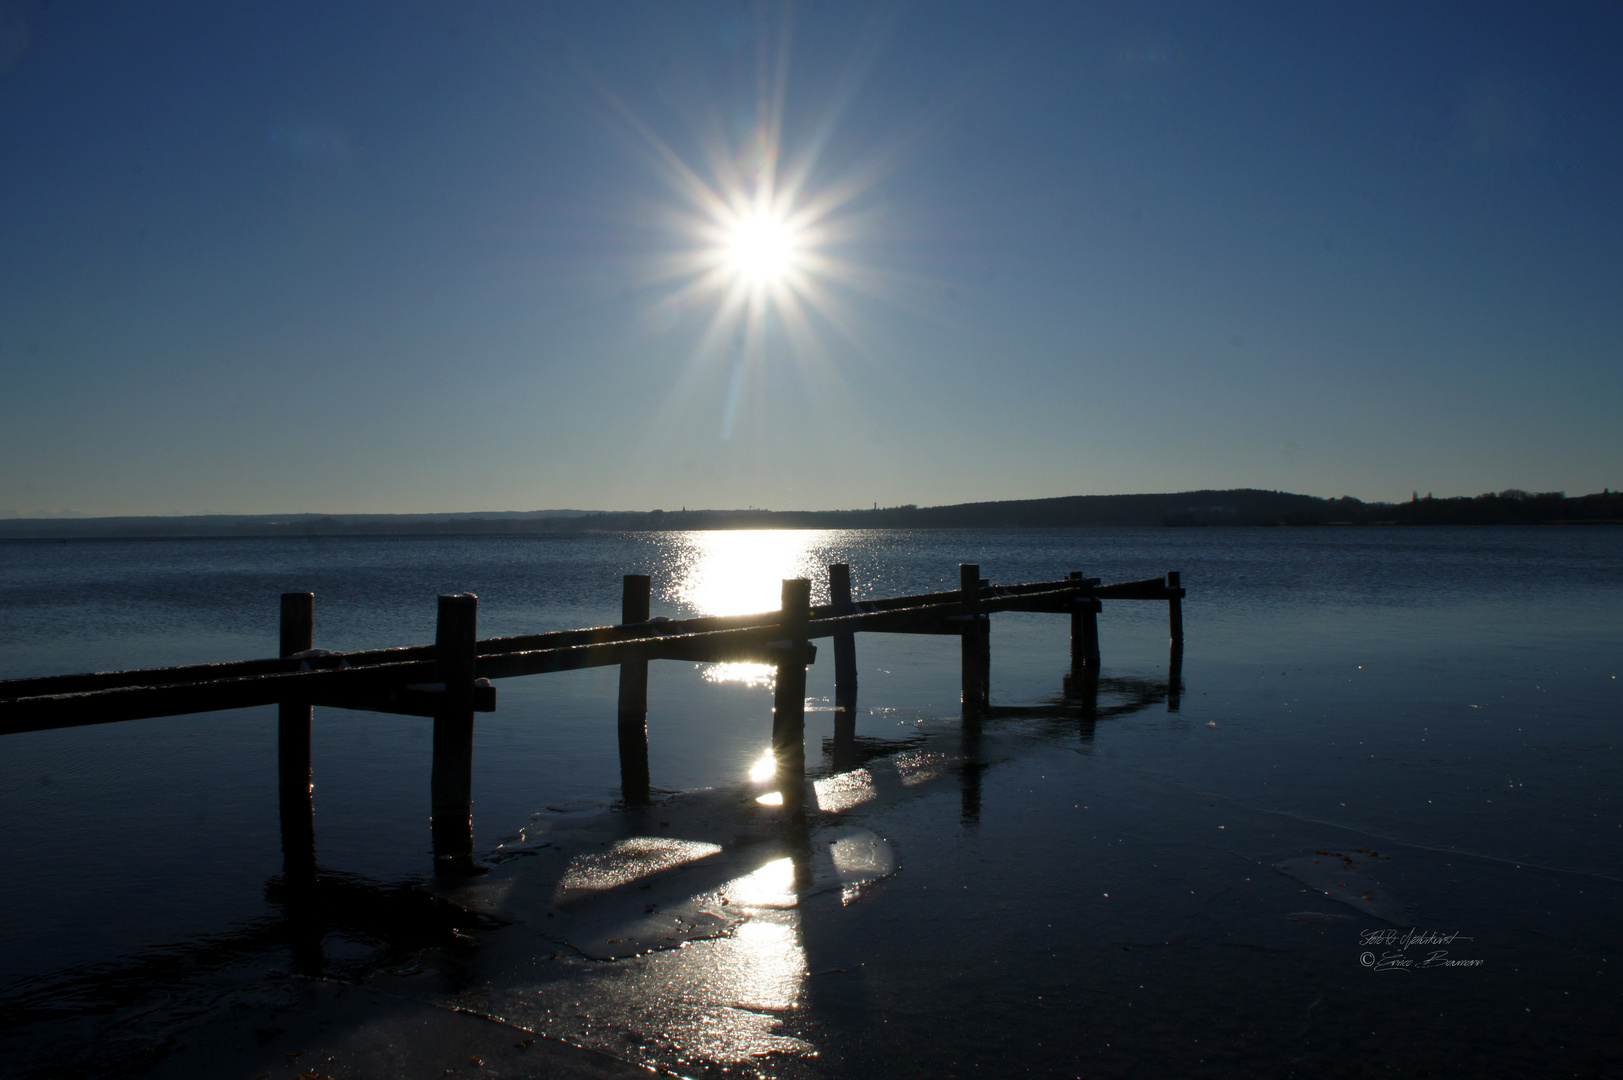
(314, 660)
(748, 644)
(50, 711)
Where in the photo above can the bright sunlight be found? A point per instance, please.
(761, 248)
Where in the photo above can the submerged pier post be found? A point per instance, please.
(1085, 627)
(789, 694)
(294, 791)
(456, 641)
(975, 643)
(633, 719)
(845, 670)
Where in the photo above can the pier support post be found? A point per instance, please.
(635, 607)
(845, 670)
(294, 790)
(976, 642)
(456, 641)
(1085, 627)
(1175, 610)
(789, 695)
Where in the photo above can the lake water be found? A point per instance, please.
(1375, 728)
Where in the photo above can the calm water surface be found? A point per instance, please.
(1431, 714)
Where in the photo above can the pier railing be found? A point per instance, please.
(451, 679)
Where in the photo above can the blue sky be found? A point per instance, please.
(394, 257)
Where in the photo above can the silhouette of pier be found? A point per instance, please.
(451, 680)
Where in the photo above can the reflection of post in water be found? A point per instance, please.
(1084, 689)
(845, 671)
(455, 640)
(305, 928)
(789, 694)
(1175, 676)
(969, 770)
(798, 842)
(293, 752)
(633, 725)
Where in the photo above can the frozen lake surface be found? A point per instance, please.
(1377, 729)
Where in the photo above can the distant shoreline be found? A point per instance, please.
(1192, 509)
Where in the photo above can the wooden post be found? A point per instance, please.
(789, 695)
(984, 641)
(845, 671)
(1084, 628)
(633, 724)
(975, 643)
(1175, 610)
(294, 790)
(456, 640)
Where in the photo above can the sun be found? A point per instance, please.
(761, 248)
(762, 261)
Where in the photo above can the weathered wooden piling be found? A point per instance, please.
(1175, 609)
(294, 791)
(975, 641)
(789, 693)
(635, 607)
(1084, 627)
(845, 668)
(456, 653)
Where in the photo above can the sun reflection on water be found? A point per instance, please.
(742, 571)
(764, 768)
(740, 672)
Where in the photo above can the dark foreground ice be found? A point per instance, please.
(1016, 902)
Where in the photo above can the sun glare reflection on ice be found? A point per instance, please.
(771, 886)
(765, 768)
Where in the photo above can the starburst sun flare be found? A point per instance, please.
(765, 248)
(762, 247)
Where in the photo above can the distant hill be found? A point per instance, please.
(1238, 506)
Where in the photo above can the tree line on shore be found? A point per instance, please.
(1233, 507)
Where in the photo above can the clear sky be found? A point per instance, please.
(395, 257)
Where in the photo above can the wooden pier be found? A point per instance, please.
(451, 680)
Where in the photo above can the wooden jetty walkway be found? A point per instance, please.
(450, 680)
